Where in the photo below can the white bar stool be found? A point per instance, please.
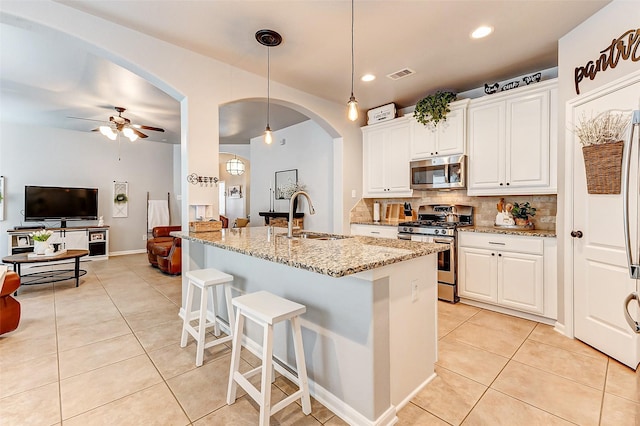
(266, 309)
(205, 280)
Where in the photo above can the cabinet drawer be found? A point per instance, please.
(374, 230)
(500, 242)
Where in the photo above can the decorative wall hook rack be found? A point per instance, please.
(195, 179)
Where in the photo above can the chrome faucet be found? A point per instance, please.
(311, 210)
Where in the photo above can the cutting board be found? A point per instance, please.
(395, 213)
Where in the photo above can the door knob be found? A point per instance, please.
(576, 234)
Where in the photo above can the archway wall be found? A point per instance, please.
(201, 84)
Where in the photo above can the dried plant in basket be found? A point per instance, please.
(602, 146)
(607, 127)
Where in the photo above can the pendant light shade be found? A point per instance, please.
(268, 135)
(235, 167)
(270, 39)
(352, 105)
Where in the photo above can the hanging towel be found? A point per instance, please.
(158, 213)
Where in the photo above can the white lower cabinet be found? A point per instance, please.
(380, 231)
(508, 271)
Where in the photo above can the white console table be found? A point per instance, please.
(95, 239)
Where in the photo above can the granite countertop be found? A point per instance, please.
(508, 231)
(336, 258)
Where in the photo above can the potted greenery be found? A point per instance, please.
(120, 198)
(433, 108)
(602, 146)
(521, 213)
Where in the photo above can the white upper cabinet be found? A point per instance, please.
(447, 138)
(513, 142)
(385, 156)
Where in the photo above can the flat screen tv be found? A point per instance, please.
(58, 203)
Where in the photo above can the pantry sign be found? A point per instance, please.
(626, 47)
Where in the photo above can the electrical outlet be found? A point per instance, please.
(353, 193)
(414, 290)
(144, 237)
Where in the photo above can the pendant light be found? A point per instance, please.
(235, 167)
(352, 111)
(270, 39)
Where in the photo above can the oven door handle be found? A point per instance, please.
(404, 237)
(443, 240)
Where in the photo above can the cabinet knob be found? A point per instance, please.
(507, 183)
(501, 184)
(499, 254)
(493, 254)
(576, 234)
(436, 152)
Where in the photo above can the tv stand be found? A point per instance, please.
(95, 239)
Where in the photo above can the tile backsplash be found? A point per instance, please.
(484, 207)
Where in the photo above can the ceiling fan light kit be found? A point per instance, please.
(269, 38)
(119, 124)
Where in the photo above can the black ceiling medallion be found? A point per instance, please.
(268, 38)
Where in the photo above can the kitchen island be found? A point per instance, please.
(369, 331)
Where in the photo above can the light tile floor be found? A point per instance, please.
(108, 353)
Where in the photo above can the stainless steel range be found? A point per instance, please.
(437, 223)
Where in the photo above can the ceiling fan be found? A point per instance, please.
(122, 124)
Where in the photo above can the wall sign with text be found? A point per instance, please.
(626, 47)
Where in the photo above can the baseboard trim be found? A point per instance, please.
(126, 252)
(409, 397)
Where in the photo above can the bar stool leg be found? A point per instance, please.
(203, 326)
(265, 386)
(227, 296)
(301, 365)
(235, 357)
(187, 315)
(216, 326)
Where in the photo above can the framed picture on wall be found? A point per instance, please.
(285, 179)
(235, 191)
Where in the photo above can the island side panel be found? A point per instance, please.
(342, 337)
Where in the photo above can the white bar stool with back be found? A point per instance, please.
(205, 280)
(266, 309)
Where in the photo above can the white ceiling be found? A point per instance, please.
(430, 37)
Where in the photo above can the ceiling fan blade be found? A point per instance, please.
(155, 129)
(139, 133)
(88, 119)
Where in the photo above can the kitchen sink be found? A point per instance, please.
(320, 236)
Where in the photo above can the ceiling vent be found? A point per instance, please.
(405, 72)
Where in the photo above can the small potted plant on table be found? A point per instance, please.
(521, 213)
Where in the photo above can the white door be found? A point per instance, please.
(397, 174)
(451, 133)
(527, 145)
(520, 281)
(486, 146)
(423, 140)
(478, 274)
(373, 154)
(600, 273)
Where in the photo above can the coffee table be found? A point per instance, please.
(45, 277)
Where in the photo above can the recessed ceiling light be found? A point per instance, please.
(368, 77)
(482, 31)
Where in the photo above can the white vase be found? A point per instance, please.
(39, 247)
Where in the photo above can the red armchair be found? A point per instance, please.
(171, 262)
(9, 307)
(161, 238)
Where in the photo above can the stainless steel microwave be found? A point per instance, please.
(439, 173)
